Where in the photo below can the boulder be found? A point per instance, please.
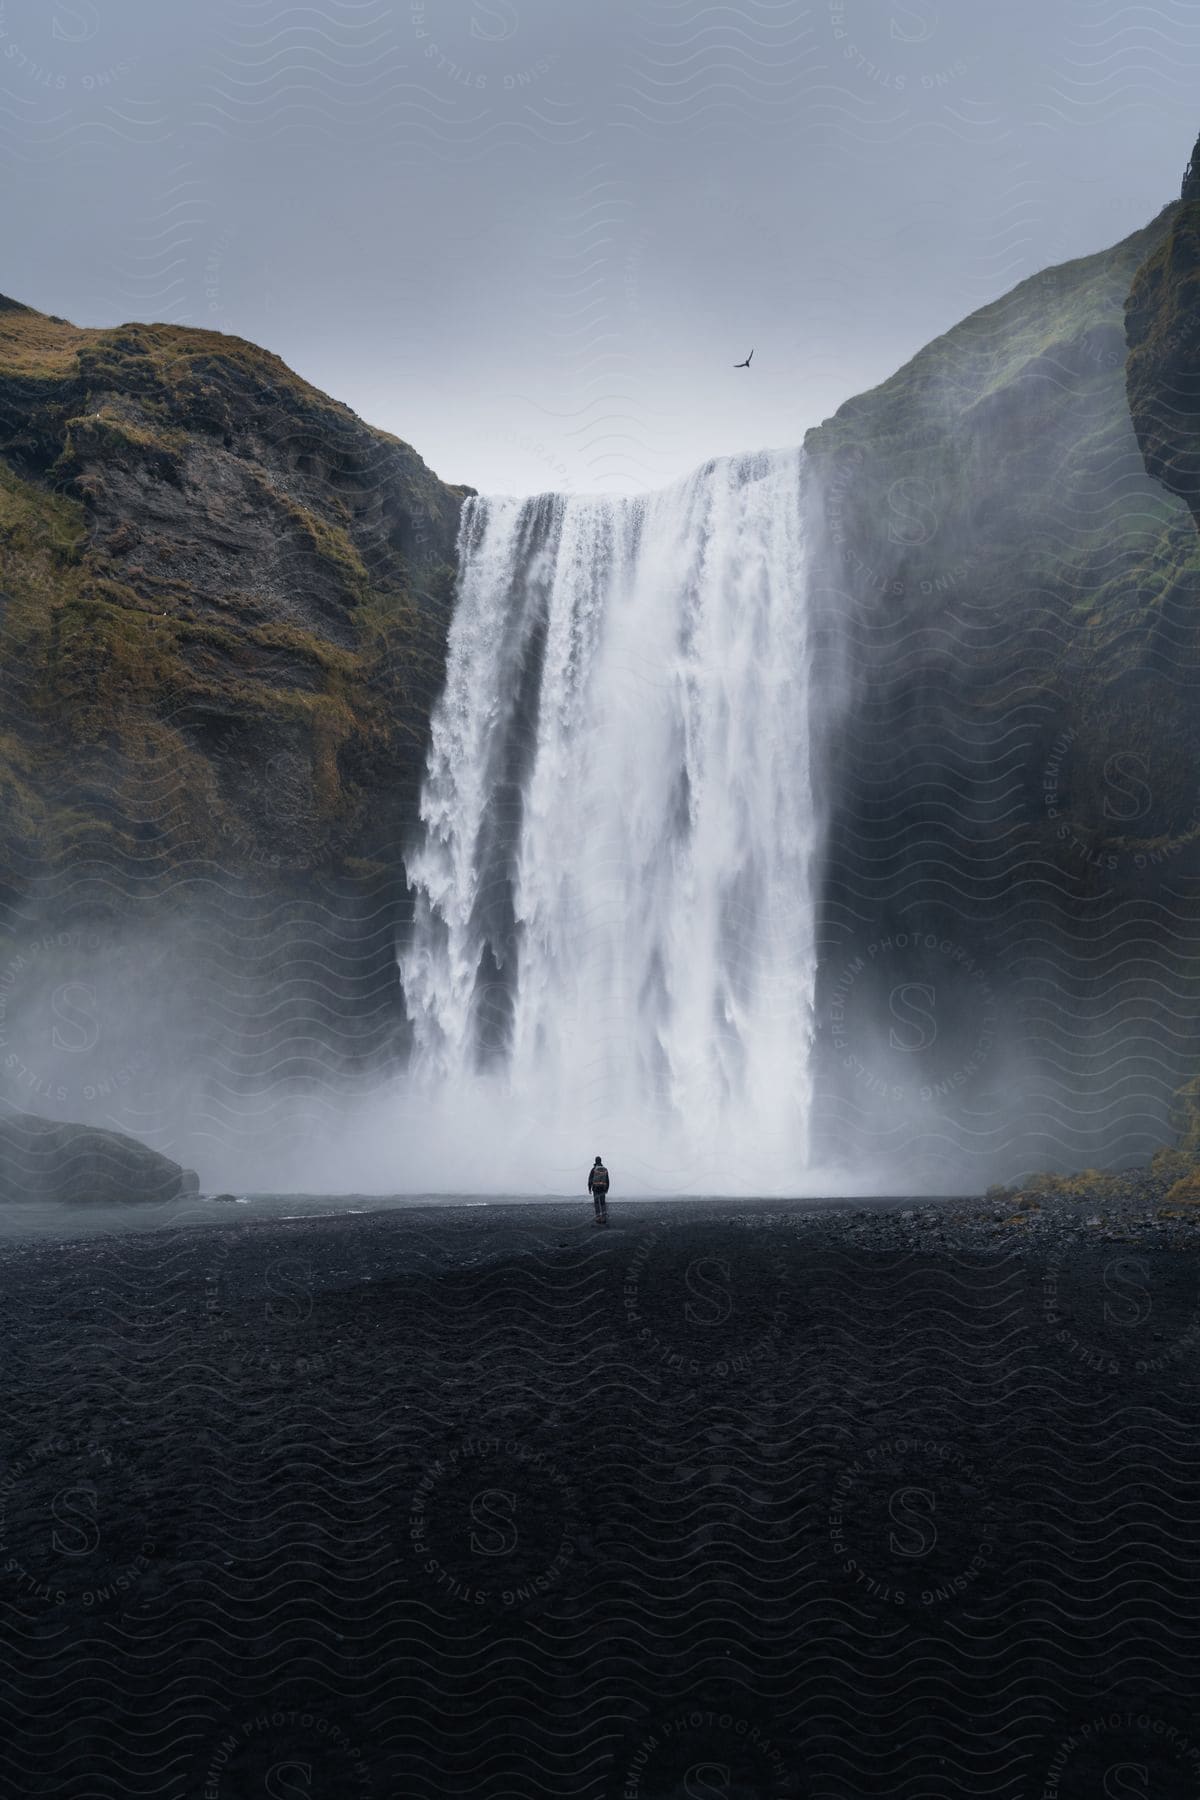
(82, 1165)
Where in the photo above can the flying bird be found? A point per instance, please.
(744, 365)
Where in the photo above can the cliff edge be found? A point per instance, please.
(224, 601)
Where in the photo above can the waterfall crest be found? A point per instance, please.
(613, 941)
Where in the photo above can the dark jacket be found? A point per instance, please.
(598, 1179)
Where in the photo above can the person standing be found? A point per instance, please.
(598, 1189)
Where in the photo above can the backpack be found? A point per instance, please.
(600, 1180)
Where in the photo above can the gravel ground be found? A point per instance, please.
(733, 1499)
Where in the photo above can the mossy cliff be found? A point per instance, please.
(224, 602)
(1162, 326)
(1009, 618)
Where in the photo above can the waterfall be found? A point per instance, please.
(612, 948)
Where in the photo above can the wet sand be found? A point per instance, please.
(728, 1499)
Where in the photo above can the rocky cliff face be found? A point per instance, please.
(1162, 328)
(224, 608)
(1011, 633)
(224, 602)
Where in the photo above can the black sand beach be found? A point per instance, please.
(729, 1499)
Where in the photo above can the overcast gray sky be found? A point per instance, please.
(531, 236)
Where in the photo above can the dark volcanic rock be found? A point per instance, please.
(81, 1165)
(1162, 329)
(1009, 636)
(225, 602)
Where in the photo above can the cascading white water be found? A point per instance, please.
(613, 942)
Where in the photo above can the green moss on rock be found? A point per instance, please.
(206, 565)
(1162, 371)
